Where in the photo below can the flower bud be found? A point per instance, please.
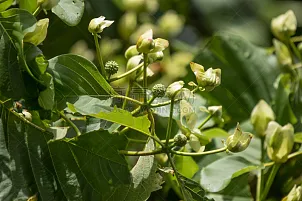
(141, 76)
(111, 67)
(39, 34)
(216, 111)
(145, 43)
(171, 23)
(160, 44)
(279, 140)
(294, 195)
(156, 56)
(261, 115)
(239, 141)
(132, 63)
(188, 117)
(174, 88)
(180, 140)
(127, 24)
(131, 51)
(194, 143)
(97, 25)
(207, 80)
(159, 90)
(282, 53)
(284, 25)
(27, 115)
(48, 4)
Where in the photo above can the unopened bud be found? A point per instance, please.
(132, 63)
(261, 115)
(127, 24)
(156, 56)
(284, 25)
(39, 34)
(131, 51)
(180, 140)
(279, 140)
(158, 90)
(145, 43)
(282, 53)
(171, 23)
(97, 25)
(174, 88)
(48, 4)
(160, 44)
(239, 141)
(216, 111)
(111, 67)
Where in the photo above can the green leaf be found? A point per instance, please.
(75, 76)
(121, 117)
(70, 11)
(89, 167)
(186, 165)
(14, 24)
(193, 191)
(248, 73)
(144, 177)
(26, 167)
(298, 137)
(29, 5)
(216, 176)
(47, 97)
(5, 4)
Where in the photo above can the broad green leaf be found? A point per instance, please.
(70, 11)
(5, 4)
(186, 165)
(192, 190)
(75, 76)
(282, 107)
(26, 167)
(89, 167)
(144, 177)
(121, 117)
(216, 176)
(29, 5)
(248, 73)
(14, 24)
(35, 59)
(47, 97)
(298, 137)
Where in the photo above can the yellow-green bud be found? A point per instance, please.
(132, 63)
(207, 80)
(171, 23)
(282, 53)
(180, 140)
(127, 24)
(145, 43)
(239, 141)
(39, 34)
(294, 195)
(279, 141)
(97, 25)
(131, 51)
(174, 88)
(284, 25)
(261, 115)
(156, 56)
(160, 44)
(216, 111)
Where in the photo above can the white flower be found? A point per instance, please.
(97, 25)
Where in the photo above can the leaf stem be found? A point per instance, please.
(199, 154)
(99, 55)
(128, 98)
(145, 81)
(163, 103)
(205, 121)
(37, 11)
(295, 49)
(260, 173)
(75, 128)
(169, 128)
(290, 156)
(270, 180)
(126, 73)
(140, 153)
(127, 94)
